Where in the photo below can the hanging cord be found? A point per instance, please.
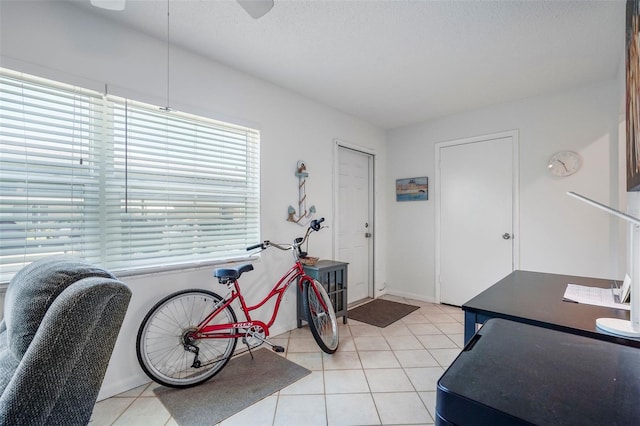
(167, 108)
(27, 161)
(126, 156)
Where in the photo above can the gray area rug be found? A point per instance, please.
(243, 382)
(380, 312)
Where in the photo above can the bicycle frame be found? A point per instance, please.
(173, 346)
(235, 330)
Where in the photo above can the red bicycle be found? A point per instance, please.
(189, 336)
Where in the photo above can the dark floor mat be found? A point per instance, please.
(380, 312)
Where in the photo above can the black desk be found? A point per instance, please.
(515, 374)
(536, 298)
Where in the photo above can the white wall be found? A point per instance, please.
(59, 41)
(558, 234)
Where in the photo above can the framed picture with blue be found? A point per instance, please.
(412, 189)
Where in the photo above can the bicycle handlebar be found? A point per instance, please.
(315, 225)
(262, 246)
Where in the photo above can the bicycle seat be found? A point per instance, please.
(224, 275)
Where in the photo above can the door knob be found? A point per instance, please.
(506, 236)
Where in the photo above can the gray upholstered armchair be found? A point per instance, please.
(61, 319)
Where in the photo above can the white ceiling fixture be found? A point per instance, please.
(255, 8)
(109, 4)
(395, 63)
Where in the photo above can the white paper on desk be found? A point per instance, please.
(594, 296)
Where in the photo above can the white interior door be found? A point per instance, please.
(476, 216)
(355, 220)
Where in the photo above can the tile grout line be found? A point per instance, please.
(433, 309)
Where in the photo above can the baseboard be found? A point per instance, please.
(419, 297)
(115, 388)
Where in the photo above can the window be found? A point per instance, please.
(120, 183)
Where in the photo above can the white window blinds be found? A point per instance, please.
(118, 182)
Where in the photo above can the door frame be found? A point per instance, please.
(337, 145)
(515, 143)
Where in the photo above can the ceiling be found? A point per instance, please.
(394, 62)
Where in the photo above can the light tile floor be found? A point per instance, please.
(378, 376)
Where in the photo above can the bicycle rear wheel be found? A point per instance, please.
(165, 349)
(320, 316)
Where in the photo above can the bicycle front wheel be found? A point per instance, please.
(320, 316)
(166, 349)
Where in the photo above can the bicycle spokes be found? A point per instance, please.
(321, 317)
(168, 349)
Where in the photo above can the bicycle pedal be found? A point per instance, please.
(277, 348)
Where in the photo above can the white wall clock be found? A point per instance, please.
(564, 163)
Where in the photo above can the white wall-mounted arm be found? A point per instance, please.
(617, 326)
(606, 208)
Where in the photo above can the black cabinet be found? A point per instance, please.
(333, 276)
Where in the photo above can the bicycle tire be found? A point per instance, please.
(160, 344)
(322, 322)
